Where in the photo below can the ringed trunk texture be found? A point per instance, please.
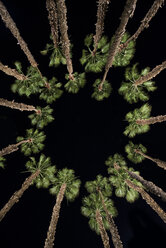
(145, 22)
(16, 105)
(62, 18)
(127, 13)
(149, 185)
(12, 148)
(17, 195)
(103, 232)
(49, 242)
(152, 120)
(113, 228)
(12, 72)
(151, 74)
(14, 30)
(148, 200)
(159, 162)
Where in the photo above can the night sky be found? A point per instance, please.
(84, 133)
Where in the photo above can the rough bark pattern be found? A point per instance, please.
(103, 232)
(101, 12)
(149, 185)
(62, 18)
(113, 228)
(53, 20)
(12, 72)
(159, 162)
(49, 242)
(148, 200)
(151, 74)
(127, 13)
(17, 195)
(145, 22)
(152, 120)
(14, 30)
(16, 105)
(12, 148)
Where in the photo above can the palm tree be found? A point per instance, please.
(134, 128)
(93, 209)
(65, 184)
(42, 173)
(103, 187)
(131, 92)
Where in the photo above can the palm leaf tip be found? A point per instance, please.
(2, 160)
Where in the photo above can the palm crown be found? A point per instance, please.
(78, 81)
(118, 177)
(99, 95)
(133, 93)
(139, 113)
(35, 143)
(91, 204)
(66, 176)
(47, 170)
(132, 155)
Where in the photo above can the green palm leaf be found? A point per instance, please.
(132, 155)
(2, 160)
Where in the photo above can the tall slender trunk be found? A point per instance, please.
(127, 13)
(18, 194)
(152, 120)
(159, 162)
(113, 228)
(148, 200)
(62, 18)
(49, 242)
(103, 232)
(145, 22)
(101, 12)
(53, 20)
(149, 185)
(16, 105)
(12, 72)
(151, 74)
(13, 148)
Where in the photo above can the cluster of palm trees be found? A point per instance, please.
(100, 55)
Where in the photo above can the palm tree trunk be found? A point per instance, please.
(49, 242)
(12, 148)
(103, 232)
(148, 200)
(62, 11)
(127, 13)
(149, 185)
(145, 22)
(151, 74)
(113, 228)
(12, 72)
(152, 120)
(101, 11)
(53, 20)
(16, 105)
(159, 162)
(18, 194)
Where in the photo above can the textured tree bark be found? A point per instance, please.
(151, 74)
(144, 23)
(149, 185)
(16, 105)
(14, 30)
(113, 228)
(12, 148)
(159, 162)
(103, 232)
(17, 195)
(53, 20)
(148, 200)
(101, 12)
(49, 242)
(62, 11)
(152, 120)
(12, 72)
(127, 13)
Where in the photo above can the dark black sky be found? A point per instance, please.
(85, 132)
